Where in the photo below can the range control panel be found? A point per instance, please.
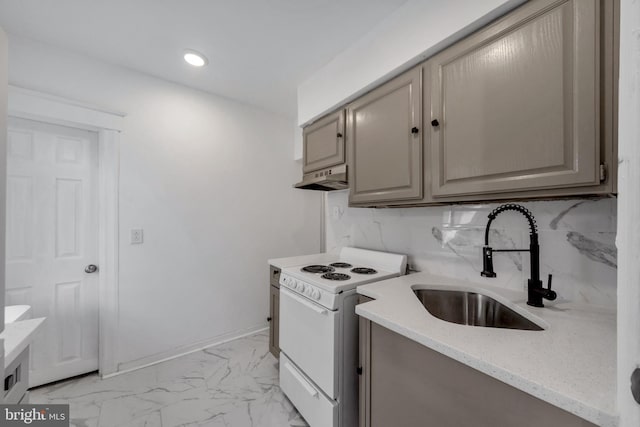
(313, 293)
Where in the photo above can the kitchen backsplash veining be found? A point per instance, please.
(577, 241)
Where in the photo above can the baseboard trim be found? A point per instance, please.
(145, 362)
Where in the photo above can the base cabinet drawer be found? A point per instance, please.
(317, 409)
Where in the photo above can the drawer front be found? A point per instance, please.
(313, 405)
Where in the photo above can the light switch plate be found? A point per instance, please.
(137, 236)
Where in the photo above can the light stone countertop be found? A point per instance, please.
(15, 313)
(17, 336)
(302, 259)
(571, 364)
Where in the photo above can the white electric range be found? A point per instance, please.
(319, 332)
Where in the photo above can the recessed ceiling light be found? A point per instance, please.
(195, 58)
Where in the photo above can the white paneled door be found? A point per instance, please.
(52, 237)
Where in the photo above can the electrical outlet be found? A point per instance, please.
(137, 236)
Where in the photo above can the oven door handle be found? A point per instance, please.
(306, 303)
(304, 383)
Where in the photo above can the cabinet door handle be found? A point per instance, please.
(339, 135)
(415, 130)
(435, 123)
(269, 319)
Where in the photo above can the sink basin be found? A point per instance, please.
(474, 309)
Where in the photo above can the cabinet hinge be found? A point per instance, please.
(603, 172)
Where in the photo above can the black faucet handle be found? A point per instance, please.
(550, 295)
(487, 262)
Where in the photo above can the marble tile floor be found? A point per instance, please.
(231, 385)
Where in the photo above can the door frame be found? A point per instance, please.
(42, 107)
(628, 238)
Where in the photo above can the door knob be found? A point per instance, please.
(91, 268)
(635, 384)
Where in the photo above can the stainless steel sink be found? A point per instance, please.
(470, 308)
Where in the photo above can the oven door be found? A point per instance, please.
(309, 336)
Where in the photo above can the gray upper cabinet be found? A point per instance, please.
(323, 143)
(523, 108)
(516, 106)
(384, 140)
(274, 321)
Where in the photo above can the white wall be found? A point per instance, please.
(413, 33)
(209, 180)
(629, 210)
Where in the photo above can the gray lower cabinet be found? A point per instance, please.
(274, 311)
(323, 143)
(406, 384)
(274, 327)
(384, 140)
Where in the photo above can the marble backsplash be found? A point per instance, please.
(577, 240)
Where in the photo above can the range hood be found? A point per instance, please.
(334, 178)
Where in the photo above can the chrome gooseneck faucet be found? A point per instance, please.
(536, 293)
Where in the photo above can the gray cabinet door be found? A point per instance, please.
(274, 326)
(364, 362)
(384, 138)
(408, 384)
(517, 103)
(323, 143)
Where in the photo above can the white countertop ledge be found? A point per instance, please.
(17, 336)
(570, 364)
(15, 313)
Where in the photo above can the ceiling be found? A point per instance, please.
(258, 50)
